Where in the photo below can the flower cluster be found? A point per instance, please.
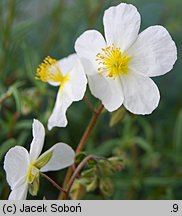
(118, 69)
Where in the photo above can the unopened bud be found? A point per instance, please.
(106, 187)
(117, 164)
(43, 159)
(78, 190)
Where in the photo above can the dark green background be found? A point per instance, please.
(151, 146)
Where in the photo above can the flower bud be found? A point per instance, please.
(106, 187)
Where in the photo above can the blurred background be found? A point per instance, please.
(150, 146)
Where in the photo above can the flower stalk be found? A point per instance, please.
(52, 182)
(89, 104)
(82, 144)
(76, 173)
(89, 129)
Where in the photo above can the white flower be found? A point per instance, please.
(22, 168)
(119, 67)
(69, 75)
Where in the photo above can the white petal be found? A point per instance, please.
(63, 156)
(77, 77)
(63, 101)
(108, 90)
(121, 25)
(16, 165)
(36, 146)
(54, 69)
(87, 46)
(78, 81)
(54, 83)
(72, 90)
(66, 64)
(19, 193)
(141, 95)
(154, 52)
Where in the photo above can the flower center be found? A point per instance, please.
(112, 62)
(48, 71)
(33, 179)
(32, 174)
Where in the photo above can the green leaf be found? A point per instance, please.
(16, 95)
(23, 125)
(107, 147)
(178, 133)
(116, 117)
(6, 146)
(143, 144)
(89, 172)
(22, 138)
(79, 157)
(21, 30)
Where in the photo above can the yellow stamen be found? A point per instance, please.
(48, 71)
(112, 62)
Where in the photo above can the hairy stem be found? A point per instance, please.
(89, 129)
(78, 169)
(89, 104)
(53, 182)
(82, 144)
(76, 173)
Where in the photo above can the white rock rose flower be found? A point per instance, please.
(68, 74)
(119, 67)
(23, 168)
